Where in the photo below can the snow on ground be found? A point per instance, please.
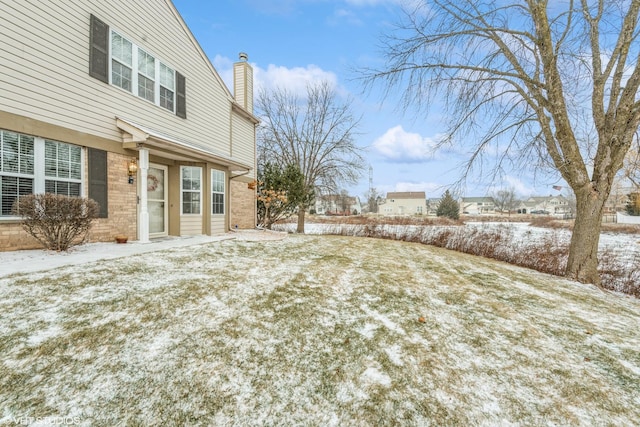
(38, 259)
(309, 330)
(624, 245)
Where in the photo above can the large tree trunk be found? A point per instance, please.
(582, 264)
(300, 228)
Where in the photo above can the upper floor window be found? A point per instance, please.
(133, 67)
(117, 60)
(167, 87)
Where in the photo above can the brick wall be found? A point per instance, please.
(13, 237)
(121, 219)
(243, 205)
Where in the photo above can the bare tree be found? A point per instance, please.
(505, 199)
(316, 133)
(372, 199)
(547, 82)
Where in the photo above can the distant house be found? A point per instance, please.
(432, 205)
(118, 102)
(477, 205)
(337, 204)
(547, 205)
(618, 198)
(404, 203)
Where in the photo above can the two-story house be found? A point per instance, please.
(337, 204)
(118, 102)
(404, 203)
(477, 205)
(548, 205)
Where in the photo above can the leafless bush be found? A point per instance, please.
(616, 274)
(56, 221)
(547, 254)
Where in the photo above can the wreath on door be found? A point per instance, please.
(152, 183)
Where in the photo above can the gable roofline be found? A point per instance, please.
(407, 195)
(235, 105)
(477, 199)
(136, 137)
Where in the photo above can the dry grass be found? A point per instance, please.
(548, 253)
(317, 330)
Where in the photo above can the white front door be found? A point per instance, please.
(157, 193)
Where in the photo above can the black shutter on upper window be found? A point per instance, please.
(181, 96)
(99, 50)
(98, 188)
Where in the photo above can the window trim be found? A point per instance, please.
(182, 191)
(39, 169)
(223, 192)
(136, 72)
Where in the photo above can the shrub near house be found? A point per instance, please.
(57, 221)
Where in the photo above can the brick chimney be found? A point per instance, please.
(243, 82)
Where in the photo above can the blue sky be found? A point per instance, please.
(292, 42)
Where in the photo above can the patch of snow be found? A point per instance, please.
(43, 335)
(368, 330)
(388, 323)
(395, 355)
(374, 376)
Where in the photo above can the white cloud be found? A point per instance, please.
(344, 15)
(521, 188)
(294, 79)
(399, 145)
(432, 189)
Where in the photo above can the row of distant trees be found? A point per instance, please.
(555, 88)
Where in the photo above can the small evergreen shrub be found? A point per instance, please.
(448, 207)
(57, 221)
(633, 204)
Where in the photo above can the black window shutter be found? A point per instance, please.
(99, 50)
(98, 189)
(181, 96)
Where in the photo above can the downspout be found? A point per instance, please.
(231, 178)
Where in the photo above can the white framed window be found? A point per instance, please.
(30, 164)
(191, 189)
(63, 168)
(217, 191)
(167, 87)
(121, 62)
(141, 73)
(146, 76)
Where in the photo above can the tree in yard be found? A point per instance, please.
(279, 192)
(545, 82)
(633, 204)
(505, 199)
(316, 133)
(631, 168)
(373, 197)
(448, 207)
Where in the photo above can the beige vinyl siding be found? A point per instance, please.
(243, 142)
(46, 72)
(405, 206)
(191, 225)
(218, 224)
(244, 94)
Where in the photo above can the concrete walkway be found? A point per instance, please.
(38, 259)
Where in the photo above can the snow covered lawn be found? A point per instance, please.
(314, 330)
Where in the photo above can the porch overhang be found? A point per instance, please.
(137, 137)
